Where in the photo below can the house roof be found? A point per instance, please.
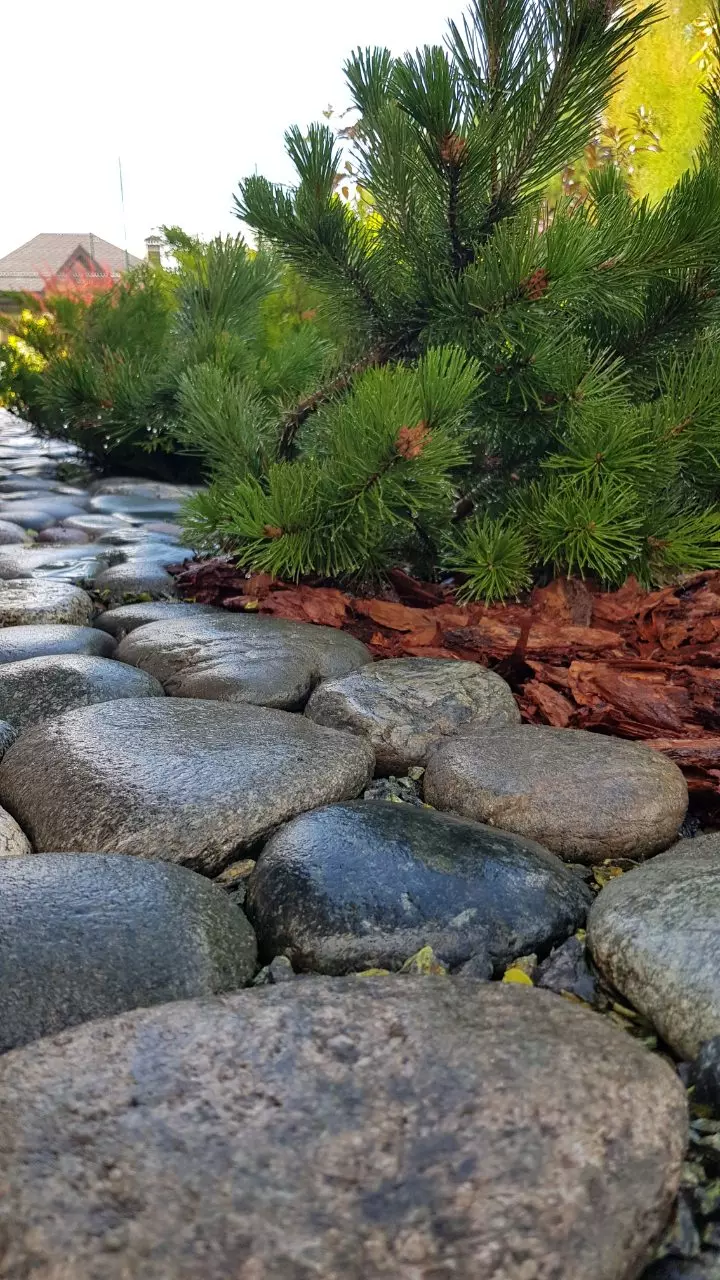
(45, 255)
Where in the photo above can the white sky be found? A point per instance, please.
(191, 97)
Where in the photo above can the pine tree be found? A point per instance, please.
(521, 385)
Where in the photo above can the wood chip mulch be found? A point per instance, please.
(642, 665)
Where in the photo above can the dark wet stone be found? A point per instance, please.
(676, 1269)
(584, 795)
(242, 658)
(366, 885)
(478, 967)
(567, 970)
(121, 621)
(30, 600)
(86, 936)
(361, 1128)
(654, 933)
(11, 533)
(181, 779)
(18, 643)
(37, 689)
(405, 705)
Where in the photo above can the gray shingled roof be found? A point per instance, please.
(44, 255)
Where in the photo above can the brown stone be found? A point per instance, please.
(404, 1128)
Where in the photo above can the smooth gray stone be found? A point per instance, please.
(94, 525)
(133, 535)
(16, 484)
(58, 535)
(124, 619)
(131, 487)
(136, 577)
(18, 643)
(405, 705)
(655, 934)
(584, 795)
(41, 512)
(399, 1128)
(242, 657)
(367, 884)
(37, 689)
(138, 507)
(30, 600)
(180, 779)
(11, 533)
(76, 564)
(90, 935)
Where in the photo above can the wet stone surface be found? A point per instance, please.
(358, 1127)
(89, 935)
(368, 884)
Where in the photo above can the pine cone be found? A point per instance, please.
(411, 441)
(273, 531)
(535, 286)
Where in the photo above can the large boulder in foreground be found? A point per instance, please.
(180, 779)
(242, 658)
(585, 796)
(404, 705)
(86, 936)
(367, 884)
(36, 689)
(655, 934)
(31, 600)
(365, 1128)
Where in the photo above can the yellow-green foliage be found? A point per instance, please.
(664, 77)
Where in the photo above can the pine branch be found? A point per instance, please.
(293, 420)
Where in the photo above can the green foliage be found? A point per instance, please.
(118, 372)
(493, 556)
(590, 443)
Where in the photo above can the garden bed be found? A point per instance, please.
(642, 665)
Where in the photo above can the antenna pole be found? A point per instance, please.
(122, 206)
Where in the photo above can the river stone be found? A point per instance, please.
(17, 643)
(585, 796)
(90, 935)
(42, 511)
(131, 487)
(58, 535)
(10, 533)
(136, 506)
(93, 524)
(76, 563)
(181, 779)
(655, 933)
(36, 689)
(411, 1128)
(367, 884)
(138, 576)
(13, 843)
(403, 705)
(242, 657)
(119, 622)
(15, 484)
(30, 600)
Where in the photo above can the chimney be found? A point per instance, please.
(154, 244)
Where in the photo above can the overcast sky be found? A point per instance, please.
(192, 101)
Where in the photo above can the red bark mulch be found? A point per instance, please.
(642, 665)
